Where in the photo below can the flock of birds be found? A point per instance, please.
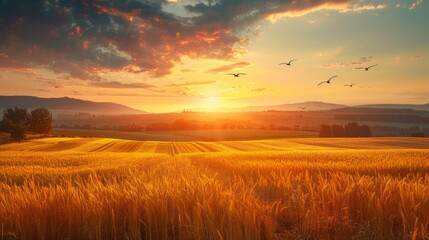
(327, 82)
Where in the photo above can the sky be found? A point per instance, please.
(163, 56)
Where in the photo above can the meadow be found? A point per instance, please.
(100, 188)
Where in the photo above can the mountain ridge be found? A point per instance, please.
(67, 105)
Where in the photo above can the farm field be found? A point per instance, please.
(296, 188)
(188, 135)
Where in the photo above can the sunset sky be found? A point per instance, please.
(162, 56)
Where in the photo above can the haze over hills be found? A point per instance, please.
(66, 105)
(307, 106)
(323, 106)
(418, 107)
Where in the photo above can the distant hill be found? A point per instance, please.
(66, 105)
(418, 107)
(317, 105)
(375, 110)
(309, 106)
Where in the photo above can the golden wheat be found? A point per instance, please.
(118, 189)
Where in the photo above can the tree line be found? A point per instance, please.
(19, 122)
(396, 118)
(352, 129)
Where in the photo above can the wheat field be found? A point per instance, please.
(89, 188)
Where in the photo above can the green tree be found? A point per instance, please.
(41, 121)
(16, 122)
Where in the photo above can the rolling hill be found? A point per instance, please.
(418, 107)
(317, 105)
(309, 106)
(66, 105)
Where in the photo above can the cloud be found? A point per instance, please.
(422, 95)
(360, 61)
(366, 59)
(139, 95)
(40, 90)
(405, 59)
(260, 90)
(86, 39)
(187, 84)
(336, 65)
(415, 4)
(187, 70)
(227, 68)
(367, 7)
(120, 85)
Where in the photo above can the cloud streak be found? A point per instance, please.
(260, 90)
(187, 84)
(229, 67)
(120, 85)
(361, 60)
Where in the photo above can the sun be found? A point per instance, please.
(211, 103)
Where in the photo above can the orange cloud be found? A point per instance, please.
(191, 83)
(229, 67)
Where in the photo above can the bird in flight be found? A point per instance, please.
(288, 63)
(329, 81)
(367, 68)
(350, 85)
(237, 74)
(303, 108)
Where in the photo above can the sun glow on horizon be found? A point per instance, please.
(210, 103)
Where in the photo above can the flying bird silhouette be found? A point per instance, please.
(287, 63)
(329, 81)
(237, 74)
(367, 68)
(350, 85)
(303, 108)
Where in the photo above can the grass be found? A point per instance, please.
(72, 188)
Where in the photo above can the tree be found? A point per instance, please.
(365, 131)
(352, 129)
(41, 121)
(338, 130)
(16, 122)
(418, 134)
(325, 131)
(4, 126)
